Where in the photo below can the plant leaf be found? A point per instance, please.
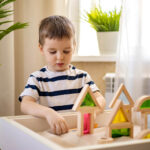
(103, 21)
(4, 13)
(5, 22)
(5, 2)
(15, 26)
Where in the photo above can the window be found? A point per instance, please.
(86, 36)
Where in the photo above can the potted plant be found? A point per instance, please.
(4, 13)
(106, 25)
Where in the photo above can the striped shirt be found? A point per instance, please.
(57, 90)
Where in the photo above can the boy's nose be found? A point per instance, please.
(60, 56)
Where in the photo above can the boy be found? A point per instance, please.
(57, 85)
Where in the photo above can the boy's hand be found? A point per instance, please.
(100, 99)
(57, 123)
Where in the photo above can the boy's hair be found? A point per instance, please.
(55, 27)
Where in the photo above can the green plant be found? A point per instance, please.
(4, 13)
(103, 21)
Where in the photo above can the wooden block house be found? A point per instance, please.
(143, 105)
(86, 104)
(119, 123)
(123, 95)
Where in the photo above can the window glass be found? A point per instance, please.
(87, 43)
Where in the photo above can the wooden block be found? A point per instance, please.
(143, 121)
(118, 106)
(80, 124)
(104, 140)
(139, 102)
(125, 126)
(127, 106)
(121, 125)
(92, 123)
(128, 113)
(142, 134)
(86, 123)
(80, 97)
(86, 89)
(146, 110)
(125, 121)
(87, 109)
(121, 89)
(131, 131)
(108, 132)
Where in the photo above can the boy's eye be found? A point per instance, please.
(52, 52)
(66, 51)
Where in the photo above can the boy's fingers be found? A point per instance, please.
(58, 129)
(64, 127)
(52, 129)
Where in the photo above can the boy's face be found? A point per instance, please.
(58, 53)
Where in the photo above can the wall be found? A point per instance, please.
(19, 53)
(7, 72)
(97, 71)
(27, 55)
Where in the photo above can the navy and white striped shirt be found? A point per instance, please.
(57, 90)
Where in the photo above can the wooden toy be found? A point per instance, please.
(119, 123)
(105, 140)
(29, 133)
(125, 97)
(145, 134)
(143, 105)
(86, 104)
(112, 123)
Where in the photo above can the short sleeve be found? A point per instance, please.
(31, 89)
(90, 82)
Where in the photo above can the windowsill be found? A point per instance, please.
(102, 58)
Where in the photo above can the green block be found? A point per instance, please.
(120, 132)
(146, 104)
(88, 101)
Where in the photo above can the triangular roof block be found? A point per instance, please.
(120, 117)
(126, 98)
(118, 111)
(86, 93)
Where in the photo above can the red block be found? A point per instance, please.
(86, 124)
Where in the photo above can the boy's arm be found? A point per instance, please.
(56, 121)
(101, 100)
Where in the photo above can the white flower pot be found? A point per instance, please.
(107, 42)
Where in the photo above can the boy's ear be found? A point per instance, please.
(41, 48)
